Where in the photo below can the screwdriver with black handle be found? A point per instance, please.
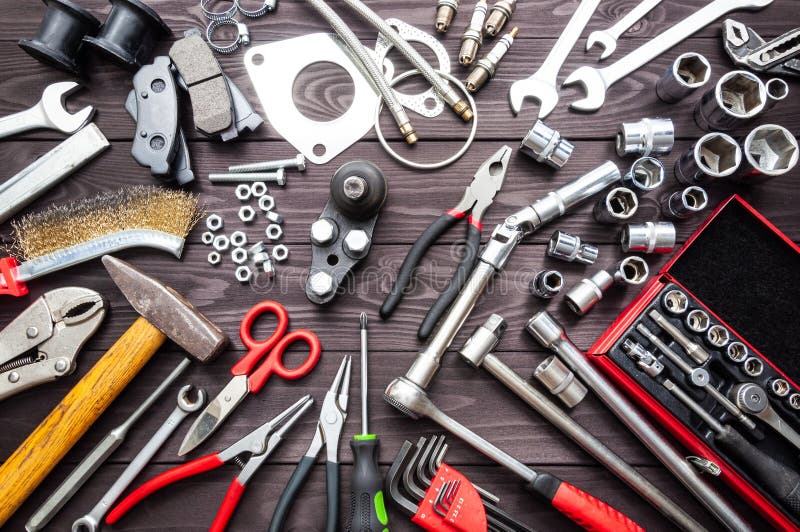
(367, 508)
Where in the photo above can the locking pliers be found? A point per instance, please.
(42, 343)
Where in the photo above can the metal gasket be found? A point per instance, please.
(290, 57)
(419, 103)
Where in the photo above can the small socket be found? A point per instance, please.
(247, 214)
(243, 192)
(675, 302)
(239, 256)
(737, 352)
(560, 381)
(570, 248)
(214, 222)
(646, 174)
(207, 238)
(753, 367)
(794, 401)
(686, 74)
(648, 237)
(684, 203)
(214, 258)
(645, 137)
(617, 206)
(779, 387)
(238, 239)
(546, 145)
(547, 284)
(777, 91)
(584, 295)
(718, 336)
(631, 271)
(770, 151)
(698, 321)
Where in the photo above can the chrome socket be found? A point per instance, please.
(737, 352)
(714, 156)
(560, 381)
(737, 97)
(753, 367)
(717, 336)
(486, 67)
(697, 321)
(779, 387)
(645, 137)
(631, 271)
(686, 74)
(684, 203)
(777, 91)
(472, 39)
(648, 237)
(445, 12)
(617, 206)
(584, 295)
(570, 248)
(769, 151)
(794, 401)
(547, 284)
(498, 16)
(546, 145)
(646, 174)
(675, 302)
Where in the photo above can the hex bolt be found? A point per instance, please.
(356, 244)
(737, 352)
(238, 239)
(546, 145)
(472, 38)
(618, 205)
(684, 203)
(247, 214)
(717, 336)
(697, 321)
(445, 11)
(714, 156)
(769, 151)
(498, 16)
(753, 367)
(777, 91)
(570, 248)
(547, 284)
(243, 274)
(207, 238)
(584, 295)
(278, 177)
(675, 302)
(299, 162)
(239, 256)
(646, 174)
(631, 271)
(274, 217)
(243, 192)
(324, 231)
(686, 74)
(645, 137)
(648, 237)
(738, 96)
(321, 283)
(779, 387)
(214, 222)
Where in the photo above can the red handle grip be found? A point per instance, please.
(229, 503)
(8, 278)
(274, 362)
(589, 512)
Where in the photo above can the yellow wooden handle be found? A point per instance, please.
(72, 417)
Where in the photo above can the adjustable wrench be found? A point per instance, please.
(542, 85)
(597, 81)
(49, 113)
(91, 521)
(608, 38)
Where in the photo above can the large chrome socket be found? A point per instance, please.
(645, 137)
(571, 248)
(560, 381)
(648, 237)
(684, 203)
(777, 91)
(737, 97)
(646, 174)
(689, 72)
(714, 156)
(617, 206)
(546, 145)
(583, 296)
(769, 151)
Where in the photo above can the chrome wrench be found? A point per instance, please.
(48, 113)
(608, 38)
(597, 81)
(753, 399)
(542, 85)
(91, 521)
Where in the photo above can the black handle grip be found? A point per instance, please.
(415, 254)
(332, 469)
(367, 510)
(290, 493)
(450, 293)
(777, 479)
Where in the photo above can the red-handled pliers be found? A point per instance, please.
(477, 197)
(259, 444)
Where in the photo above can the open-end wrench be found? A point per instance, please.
(597, 81)
(542, 85)
(49, 113)
(91, 521)
(608, 38)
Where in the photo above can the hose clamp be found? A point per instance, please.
(243, 37)
(267, 7)
(218, 15)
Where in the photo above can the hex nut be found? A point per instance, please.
(274, 231)
(243, 274)
(247, 214)
(214, 258)
(323, 232)
(243, 192)
(321, 283)
(238, 239)
(207, 238)
(356, 243)
(221, 243)
(266, 202)
(269, 268)
(280, 253)
(214, 222)
(273, 216)
(258, 189)
(260, 258)
(239, 256)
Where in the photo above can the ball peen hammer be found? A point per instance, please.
(163, 314)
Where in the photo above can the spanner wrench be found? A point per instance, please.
(91, 521)
(597, 81)
(49, 113)
(608, 38)
(543, 84)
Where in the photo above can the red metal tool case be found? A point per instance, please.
(745, 274)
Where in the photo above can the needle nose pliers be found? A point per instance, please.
(477, 197)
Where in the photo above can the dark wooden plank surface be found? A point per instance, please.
(415, 197)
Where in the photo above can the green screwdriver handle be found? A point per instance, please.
(367, 509)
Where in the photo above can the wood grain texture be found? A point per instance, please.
(415, 199)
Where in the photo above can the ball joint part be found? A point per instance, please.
(645, 137)
(714, 156)
(560, 381)
(570, 248)
(769, 151)
(648, 237)
(646, 174)
(617, 206)
(737, 97)
(486, 67)
(445, 12)
(686, 74)
(585, 295)
(472, 39)
(682, 204)
(498, 16)
(547, 284)
(546, 145)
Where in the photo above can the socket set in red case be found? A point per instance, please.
(711, 350)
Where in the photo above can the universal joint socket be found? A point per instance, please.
(617, 206)
(648, 237)
(583, 296)
(646, 174)
(682, 204)
(472, 39)
(714, 156)
(486, 67)
(737, 97)
(570, 248)
(546, 145)
(547, 284)
(689, 72)
(445, 12)
(498, 16)
(645, 137)
(770, 151)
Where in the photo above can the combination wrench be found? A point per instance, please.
(542, 85)
(597, 81)
(91, 521)
(608, 38)
(48, 113)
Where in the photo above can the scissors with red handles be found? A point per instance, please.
(249, 379)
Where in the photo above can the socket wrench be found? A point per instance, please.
(753, 399)
(682, 204)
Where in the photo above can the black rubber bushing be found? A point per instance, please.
(61, 32)
(129, 34)
(370, 202)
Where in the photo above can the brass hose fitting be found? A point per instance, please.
(445, 12)
(472, 38)
(486, 67)
(498, 16)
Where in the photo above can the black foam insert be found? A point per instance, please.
(750, 277)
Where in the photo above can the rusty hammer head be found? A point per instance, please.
(167, 311)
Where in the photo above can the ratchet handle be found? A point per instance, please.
(583, 509)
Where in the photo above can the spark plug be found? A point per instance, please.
(498, 16)
(486, 67)
(472, 38)
(445, 12)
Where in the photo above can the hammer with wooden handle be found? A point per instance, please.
(164, 314)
